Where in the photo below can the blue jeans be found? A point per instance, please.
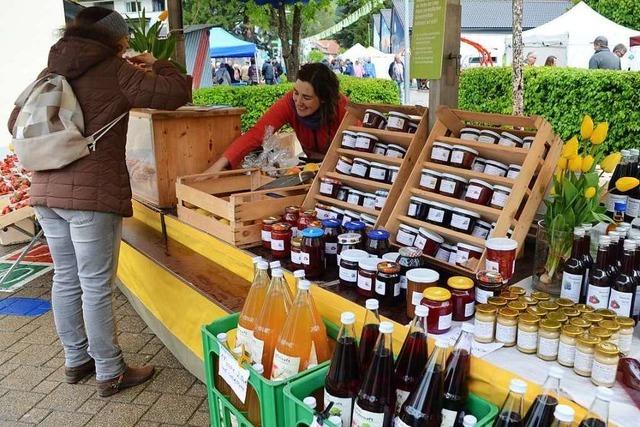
(84, 246)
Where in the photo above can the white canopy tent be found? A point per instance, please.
(379, 59)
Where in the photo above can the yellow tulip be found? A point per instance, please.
(570, 149)
(587, 127)
(562, 163)
(590, 192)
(575, 164)
(600, 133)
(610, 162)
(627, 183)
(163, 15)
(587, 163)
(559, 173)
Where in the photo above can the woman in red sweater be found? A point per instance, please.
(314, 109)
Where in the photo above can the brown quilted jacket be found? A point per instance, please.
(105, 86)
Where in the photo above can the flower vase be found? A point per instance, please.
(553, 249)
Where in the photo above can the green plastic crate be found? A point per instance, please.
(300, 415)
(270, 393)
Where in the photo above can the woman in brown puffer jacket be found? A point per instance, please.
(80, 207)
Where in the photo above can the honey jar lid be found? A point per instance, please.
(565, 302)
(557, 316)
(592, 317)
(580, 323)
(508, 312)
(528, 318)
(550, 325)
(571, 330)
(541, 296)
(436, 294)
(601, 333)
(584, 308)
(517, 305)
(588, 339)
(517, 290)
(610, 325)
(535, 311)
(570, 311)
(606, 313)
(548, 305)
(489, 277)
(607, 348)
(281, 226)
(460, 282)
(486, 308)
(625, 322)
(508, 296)
(497, 301)
(527, 300)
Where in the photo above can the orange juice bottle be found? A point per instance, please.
(252, 306)
(300, 343)
(253, 403)
(269, 323)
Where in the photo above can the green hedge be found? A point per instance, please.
(563, 96)
(257, 99)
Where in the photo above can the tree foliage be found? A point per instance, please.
(316, 56)
(359, 31)
(623, 12)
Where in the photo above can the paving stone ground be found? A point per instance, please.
(32, 390)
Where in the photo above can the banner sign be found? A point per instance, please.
(427, 39)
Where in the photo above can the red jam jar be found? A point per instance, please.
(462, 297)
(428, 242)
(281, 240)
(488, 284)
(463, 157)
(388, 283)
(291, 217)
(430, 180)
(312, 253)
(479, 192)
(329, 186)
(305, 220)
(438, 301)
(365, 142)
(265, 234)
(367, 272)
(296, 247)
(501, 256)
(441, 153)
(374, 119)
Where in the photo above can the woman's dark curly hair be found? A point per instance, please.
(326, 86)
(84, 26)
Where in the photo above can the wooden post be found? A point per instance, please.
(445, 90)
(518, 59)
(175, 27)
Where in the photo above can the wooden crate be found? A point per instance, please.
(353, 122)
(527, 190)
(21, 217)
(163, 145)
(228, 206)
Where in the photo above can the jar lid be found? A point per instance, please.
(460, 283)
(408, 228)
(528, 318)
(423, 275)
(409, 252)
(355, 225)
(346, 159)
(565, 302)
(431, 236)
(358, 192)
(348, 132)
(517, 305)
(388, 267)
(453, 177)
(481, 183)
(527, 300)
(467, 149)
(515, 167)
(480, 160)
(625, 322)
(483, 224)
(281, 226)
(548, 305)
(442, 145)
(570, 311)
(397, 148)
(580, 323)
(490, 132)
(330, 223)
(502, 188)
(349, 238)
(506, 294)
(336, 210)
(419, 199)
(517, 290)
(486, 308)
(435, 293)
(330, 180)
(378, 234)
(271, 220)
(296, 242)
(312, 232)
(370, 195)
(413, 125)
(601, 333)
(571, 330)
(430, 172)
(497, 164)
(376, 112)
(391, 256)
(528, 138)
(606, 313)
(512, 137)
(536, 311)
(588, 339)
(541, 296)
(610, 325)
(360, 160)
(380, 165)
(508, 312)
(399, 114)
(369, 264)
(440, 205)
(382, 192)
(489, 277)
(467, 213)
(368, 218)
(592, 317)
(470, 247)
(497, 301)
(292, 209)
(470, 130)
(309, 213)
(558, 316)
(448, 247)
(353, 255)
(393, 168)
(366, 135)
(607, 348)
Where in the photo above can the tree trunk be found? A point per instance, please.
(518, 59)
(296, 31)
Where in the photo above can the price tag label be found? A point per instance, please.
(236, 376)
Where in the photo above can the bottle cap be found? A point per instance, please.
(348, 318)
(304, 285)
(468, 327)
(263, 265)
(259, 368)
(604, 393)
(620, 206)
(257, 259)
(564, 413)
(298, 274)
(578, 231)
(605, 240)
(222, 337)
(275, 264)
(556, 372)
(469, 421)
(518, 386)
(421, 310)
(386, 327)
(277, 272)
(372, 304)
(442, 343)
(310, 401)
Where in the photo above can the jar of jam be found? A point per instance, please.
(479, 164)
(369, 201)
(398, 122)
(360, 167)
(281, 240)
(388, 282)
(356, 197)
(381, 198)
(548, 306)
(365, 142)
(445, 252)
(377, 242)
(495, 168)
(408, 259)
(478, 192)
(305, 220)
(329, 186)
(291, 216)
(369, 221)
(439, 214)
(419, 279)
(312, 253)
(452, 185)
(463, 156)
(462, 297)
(418, 207)
(379, 172)
(567, 346)
(489, 136)
(393, 174)
(430, 180)
(343, 193)
(356, 227)
(500, 196)
(463, 220)
(344, 165)
(346, 242)
(469, 134)
(348, 270)
(324, 212)
(514, 171)
(482, 229)
(380, 148)
(367, 273)
(374, 119)
(488, 284)
(580, 323)
(349, 139)
(350, 216)
(527, 141)
(331, 231)
(267, 226)
(468, 255)
(510, 140)
(441, 153)
(406, 235)
(438, 301)
(536, 311)
(429, 243)
(396, 151)
(296, 247)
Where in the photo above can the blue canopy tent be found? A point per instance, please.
(226, 45)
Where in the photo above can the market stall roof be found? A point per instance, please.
(225, 45)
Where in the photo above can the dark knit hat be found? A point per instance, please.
(114, 24)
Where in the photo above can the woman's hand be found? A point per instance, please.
(146, 59)
(221, 164)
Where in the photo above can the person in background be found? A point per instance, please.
(80, 206)
(396, 72)
(358, 69)
(551, 61)
(244, 72)
(369, 69)
(603, 58)
(254, 78)
(268, 73)
(531, 59)
(620, 50)
(277, 70)
(237, 74)
(222, 76)
(314, 109)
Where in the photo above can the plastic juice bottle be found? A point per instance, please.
(513, 407)
(252, 307)
(413, 357)
(541, 411)
(376, 398)
(598, 415)
(302, 341)
(563, 416)
(369, 334)
(274, 312)
(423, 407)
(253, 403)
(456, 376)
(343, 379)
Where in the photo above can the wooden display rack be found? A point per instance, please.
(527, 190)
(228, 206)
(353, 122)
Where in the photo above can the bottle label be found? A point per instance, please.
(405, 238)
(364, 283)
(492, 265)
(323, 214)
(612, 199)
(305, 259)
(598, 296)
(369, 203)
(548, 347)
(527, 340)
(624, 342)
(358, 169)
(420, 242)
(499, 199)
(444, 322)
(603, 374)
(399, 423)
(566, 353)
(438, 153)
(403, 282)
(295, 257)
(396, 289)
(244, 337)
(348, 275)
(442, 254)
(362, 418)
(633, 207)
(380, 287)
(266, 236)
(342, 407)
(448, 187)
(377, 173)
(457, 157)
(395, 122)
(571, 286)
(331, 248)
(326, 188)
(636, 305)
(482, 296)
(416, 298)
(582, 361)
(469, 308)
(284, 366)
(473, 192)
(413, 208)
(257, 348)
(277, 245)
(483, 330)
(436, 215)
(401, 397)
(363, 143)
(621, 302)
(460, 222)
(448, 418)
(427, 181)
(233, 374)
(505, 333)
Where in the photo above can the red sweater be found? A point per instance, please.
(283, 113)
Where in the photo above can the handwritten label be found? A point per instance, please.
(233, 374)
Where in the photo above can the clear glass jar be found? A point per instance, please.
(438, 301)
(507, 327)
(485, 323)
(462, 297)
(567, 346)
(625, 334)
(585, 348)
(527, 341)
(488, 284)
(497, 302)
(580, 323)
(605, 364)
(548, 339)
(613, 327)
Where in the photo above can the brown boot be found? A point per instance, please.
(77, 373)
(131, 377)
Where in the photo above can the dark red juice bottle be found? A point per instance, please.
(369, 335)
(598, 415)
(540, 413)
(636, 304)
(587, 260)
(623, 288)
(574, 269)
(511, 412)
(413, 357)
(423, 407)
(376, 399)
(343, 379)
(456, 387)
(599, 281)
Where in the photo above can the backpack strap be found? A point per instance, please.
(95, 137)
